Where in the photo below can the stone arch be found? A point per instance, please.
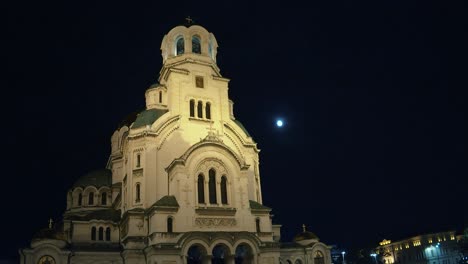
(87, 196)
(220, 252)
(244, 254)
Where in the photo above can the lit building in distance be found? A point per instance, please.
(437, 248)
(182, 184)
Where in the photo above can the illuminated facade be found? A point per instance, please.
(182, 184)
(437, 248)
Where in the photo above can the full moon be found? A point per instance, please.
(279, 123)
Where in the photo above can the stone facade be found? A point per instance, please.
(182, 184)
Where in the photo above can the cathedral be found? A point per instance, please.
(182, 183)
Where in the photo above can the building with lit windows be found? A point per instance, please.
(182, 183)
(437, 248)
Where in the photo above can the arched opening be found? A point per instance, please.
(108, 234)
(196, 44)
(212, 186)
(160, 96)
(180, 45)
(101, 234)
(318, 258)
(195, 254)
(224, 198)
(208, 111)
(169, 225)
(80, 199)
(257, 225)
(298, 261)
(137, 193)
(192, 108)
(91, 198)
(244, 254)
(200, 109)
(93, 233)
(219, 254)
(201, 188)
(104, 198)
(138, 163)
(289, 261)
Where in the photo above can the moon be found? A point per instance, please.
(279, 123)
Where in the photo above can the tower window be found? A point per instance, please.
(91, 198)
(80, 199)
(160, 96)
(93, 233)
(192, 108)
(169, 224)
(257, 225)
(101, 233)
(208, 111)
(180, 45)
(212, 186)
(201, 189)
(224, 198)
(196, 47)
(108, 234)
(104, 198)
(200, 109)
(199, 82)
(138, 161)
(137, 193)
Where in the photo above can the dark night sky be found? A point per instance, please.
(373, 95)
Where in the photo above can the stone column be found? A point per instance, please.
(206, 259)
(229, 259)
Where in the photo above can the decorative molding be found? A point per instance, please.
(215, 222)
(225, 211)
(138, 172)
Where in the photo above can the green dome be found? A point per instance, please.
(305, 236)
(148, 117)
(95, 178)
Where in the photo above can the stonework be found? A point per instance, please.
(182, 184)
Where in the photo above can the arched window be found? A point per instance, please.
(224, 198)
(137, 193)
(179, 45)
(200, 109)
(208, 111)
(257, 225)
(318, 259)
(160, 96)
(192, 108)
(169, 224)
(298, 261)
(210, 50)
(212, 186)
(138, 163)
(80, 199)
(108, 234)
(101, 233)
(93, 233)
(196, 47)
(91, 198)
(104, 198)
(201, 189)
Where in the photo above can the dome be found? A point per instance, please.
(306, 238)
(95, 178)
(49, 233)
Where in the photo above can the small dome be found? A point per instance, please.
(49, 233)
(306, 238)
(97, 178)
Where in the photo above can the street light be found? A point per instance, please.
(375, 257)
(342, 253)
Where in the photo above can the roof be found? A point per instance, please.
(148, 117)
(49, 233)
(242, 127)
(129, 119)
(168, 200)
(106, 214)
(258, 206)
(95, 178)
(154, 85)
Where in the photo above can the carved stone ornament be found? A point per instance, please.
(214, 222)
